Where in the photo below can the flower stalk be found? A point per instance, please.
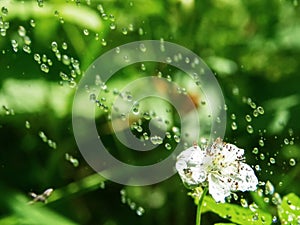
(199, 206)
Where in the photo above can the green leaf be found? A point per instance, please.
(236, 213)
(289, 210)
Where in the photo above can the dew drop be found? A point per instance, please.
(54, 46)
(124, 31)
(143, 48)
(234, 126)
(27, 49)
(40, 3)
(63, 76)
(233, 116)
(269, 188)
(141, 31)
(286, 141)
(250, 129)
(255, 113)
(262, 156)
(86, 32)
(257, 168)
(27, 124)
(112, 26)
(292, 162)
(248, 118)
(176, 138)
(4, 10)
(276, 199)
(260, 110)
(64, 46)
(37, 58)
(43, 136)
(244, 203)
(66, 60)
(168, 146)
(156, 140)
(261, 142)
(235, 91)
(44, 68)
(272, 160)
(140, 211)
(21, 31)
(143, 67)
(32, 23)
(132, 205)
(103, 42)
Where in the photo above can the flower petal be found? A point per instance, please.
(240, 177)
(218, 188)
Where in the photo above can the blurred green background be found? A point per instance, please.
(253, 47)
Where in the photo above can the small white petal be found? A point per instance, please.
(218, 189)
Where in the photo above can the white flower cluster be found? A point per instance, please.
(220, 166)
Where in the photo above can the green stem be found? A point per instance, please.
(198, 216)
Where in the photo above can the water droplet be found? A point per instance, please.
(54, 46)
(255, 150)
(124, 31)
(276, 199)
(37, 58)
(142, 47)
(32, 23)
(103, 42)
(15, 45)
(255, 113)
(130, 27)
(27, 124)
(64, 46)
(248, 118)
(292, 162)
(21, 31)
(286, 141)
(156, 140)
(269, 188)
(104, 16)
(234, 126)
(27, 49)
(244, 203)
(72, 160)
(235, 91)
(112, 26)
(4, 10)
(141, 31)
(143, 67)
(250, 129)
(262, 156)
(261, 142)
(86, 32)
(140, 211)
(112, 18)
(272, 160)
(146, 116)
(66, 60)
(252, 105)
(253, 207)
(168, 146)
(40, 3)
(131, 204)
(260, 110)
(44, 68)
(43, 136)
(233, 116)
(176, 138)
(257, 168)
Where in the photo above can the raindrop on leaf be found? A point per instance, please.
(292, 162)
